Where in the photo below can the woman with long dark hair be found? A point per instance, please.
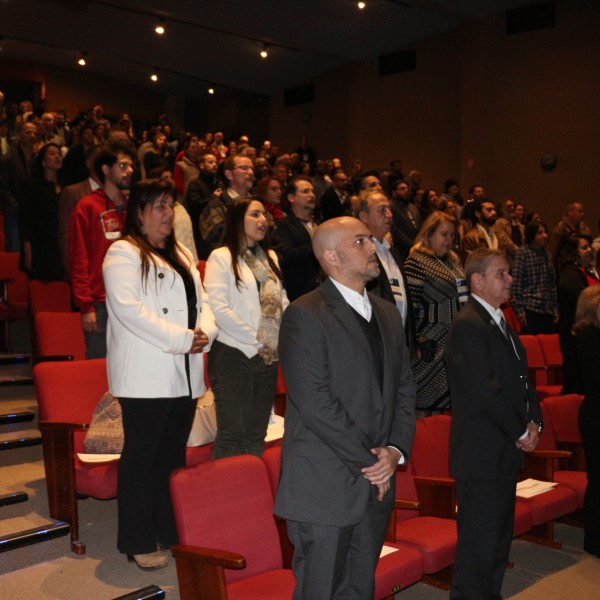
(587, 332)
(159, 323)
(38, 216)
(576, 272)
(245, 291)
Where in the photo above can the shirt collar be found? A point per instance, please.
(496, 314)
(359, 302)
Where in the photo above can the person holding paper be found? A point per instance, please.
(495, 417)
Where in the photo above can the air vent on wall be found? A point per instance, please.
(398, 62)
(530, 18)
(302, 94)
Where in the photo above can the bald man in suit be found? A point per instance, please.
(495, 417)
(350, 418)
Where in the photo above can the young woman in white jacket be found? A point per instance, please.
(244, 286)
(159, 323)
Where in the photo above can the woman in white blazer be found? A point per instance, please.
(159, 323)
(243, 283)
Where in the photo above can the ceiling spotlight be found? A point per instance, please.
(160, 27)
(154, 76)
(211, 90)
(361, 5)
(82, 62)
(264, 52)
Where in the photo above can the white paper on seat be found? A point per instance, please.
(97, 458)
(532, 487)
(387, 550)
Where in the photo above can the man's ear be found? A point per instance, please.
(330, 256)
(362, 217)
(476, 281)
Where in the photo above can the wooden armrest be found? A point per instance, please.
(539, 464)
(200, 571)
(437, 496)
(210, 556)
(575, 462)
(403, 504)
(549, 454)
(57, 426)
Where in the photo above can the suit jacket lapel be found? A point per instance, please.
(344, 313)
(485, 315)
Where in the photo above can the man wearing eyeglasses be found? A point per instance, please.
(239, 172)
(95, 223)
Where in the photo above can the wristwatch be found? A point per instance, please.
(539, 423)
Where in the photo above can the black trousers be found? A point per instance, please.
(156, 432)
(485, 521)
(589, 425)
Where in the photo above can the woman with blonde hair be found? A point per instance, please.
(437, 285)
(587, 332)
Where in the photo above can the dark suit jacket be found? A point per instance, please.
(380, 286)
(331, 206)
(337, 410)
(293, 245)
(69, 197)
(403, 231)
(492, 398)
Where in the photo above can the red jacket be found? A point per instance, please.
(94, 225)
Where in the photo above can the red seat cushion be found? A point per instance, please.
(274, 585)
(435, 538)
(575, 480)
(523, 519)
(551, 504)
(397, 570)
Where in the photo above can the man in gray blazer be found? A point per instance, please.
(495, 417)
(350, 418)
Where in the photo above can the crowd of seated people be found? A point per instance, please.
(299, 190)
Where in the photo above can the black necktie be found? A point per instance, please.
(504, 328)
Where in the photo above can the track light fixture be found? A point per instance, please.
(82, 59)
(264, 53)
(361, 5)
(159, 29)
(154, 75)
(211, 90)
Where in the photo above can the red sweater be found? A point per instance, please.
(95, 224)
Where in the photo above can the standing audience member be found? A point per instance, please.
(373, 210)
(15, 168)
(38, 217)
(69, 197)
(96, 222)
(576, 273)
(533, 293)
(239, 173)
(243, 282)
(292, 239)
(571, 224)
(587, 332)
(482, 234)
(407, 219)
(510, 232)
(159, 324)
(349, 420)
(495, 416)
(334, 201)
(269, 191)
(437, 286)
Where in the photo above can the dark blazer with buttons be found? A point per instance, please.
(337, 409)
(293, 245)
(492, 397)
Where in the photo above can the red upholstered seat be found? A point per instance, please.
(59, 334)
(434, 537)
(49, 296)
(550, 345)
(14, 294)
(538, 369)
(431, 447)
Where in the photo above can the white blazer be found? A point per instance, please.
(236, 311)
(148, 335)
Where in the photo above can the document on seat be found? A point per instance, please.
(532, 487)
(275, 428)
(97, 458)
(387, 550)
